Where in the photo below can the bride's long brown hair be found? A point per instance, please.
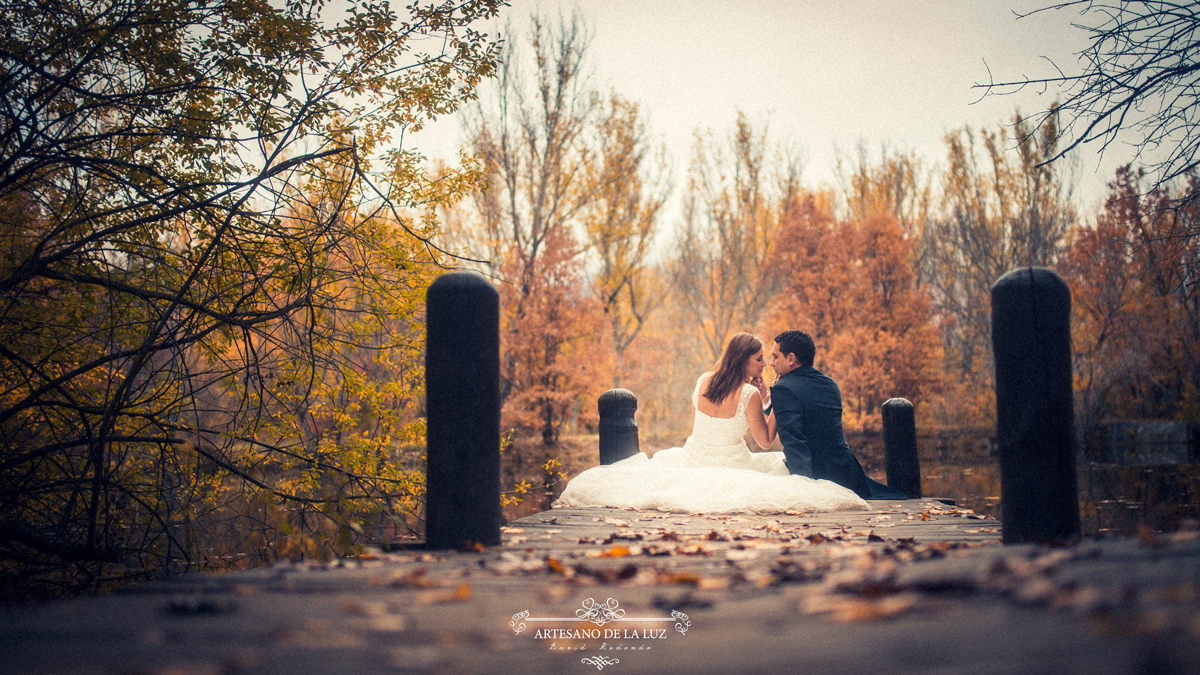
(731, 369)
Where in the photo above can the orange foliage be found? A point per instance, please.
(1136, 306)
(852, 286)
(553, 363)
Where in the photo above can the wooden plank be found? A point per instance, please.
(760, 592)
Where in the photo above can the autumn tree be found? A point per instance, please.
(1002, 208)
(853, 286)
(1136, 329)
(895, 183)
(533, 136)
(200, 221)
(1134, 84)
(629, 189)
(1138, 74)
(663, 366)
(737, 193)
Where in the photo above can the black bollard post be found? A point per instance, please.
(1035, 420)
(900, 447)
(618, 428)
(462, 393)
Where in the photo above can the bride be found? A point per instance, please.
(714, 471)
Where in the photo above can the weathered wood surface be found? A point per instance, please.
(880, 591)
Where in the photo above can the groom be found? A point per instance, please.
(808, 414)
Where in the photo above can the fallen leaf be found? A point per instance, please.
(854, 610)
(712, 583)
(460, 593)
(415, 579)
(1036, 591)
(684, 577)
(656, 550)
(736, 555)
(388, 623)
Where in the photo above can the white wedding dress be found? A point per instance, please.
(714, 472)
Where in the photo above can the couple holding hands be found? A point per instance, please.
(715, 472)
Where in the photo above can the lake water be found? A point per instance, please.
(963, 464)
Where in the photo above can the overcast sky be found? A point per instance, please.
(824, 74)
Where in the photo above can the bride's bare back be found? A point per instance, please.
(726, 409)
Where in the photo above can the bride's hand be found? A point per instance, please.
(763, 390)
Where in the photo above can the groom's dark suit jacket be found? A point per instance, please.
(808, 416)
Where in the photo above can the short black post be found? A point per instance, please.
(618, 428)
(900, 447)
(462, 393)
(1035, 419)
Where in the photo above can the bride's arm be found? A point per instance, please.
(762, 427)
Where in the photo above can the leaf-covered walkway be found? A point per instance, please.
(908, 587)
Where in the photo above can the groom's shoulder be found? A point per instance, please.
(792, 380)
(807, 377)
(824, 380)
(813, 372)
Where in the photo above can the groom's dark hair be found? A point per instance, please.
(798, 343)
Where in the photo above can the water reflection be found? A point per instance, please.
(975, 487)
(1114, 500)
(961, 464)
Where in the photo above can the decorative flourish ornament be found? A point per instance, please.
(600, 614)
(600, 661)
(518, 622)
(682, 619)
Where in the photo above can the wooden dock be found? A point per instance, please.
(905, 587)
